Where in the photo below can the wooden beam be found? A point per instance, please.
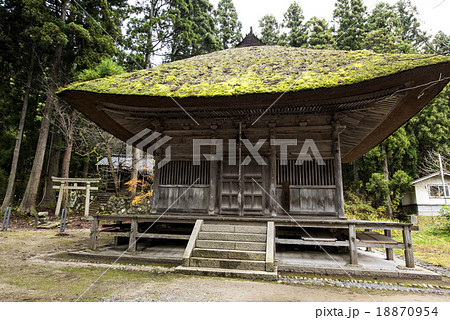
(75, 180)
(386, 246)
(344, 243)
(67, 187)
(163, 236)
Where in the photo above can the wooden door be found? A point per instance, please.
(229, 203)
(252, 196)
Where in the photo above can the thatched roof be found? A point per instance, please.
(256, 70)
(372, 94)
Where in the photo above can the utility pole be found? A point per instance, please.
(443, 179)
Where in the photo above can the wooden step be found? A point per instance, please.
(247, 237)
(234, 228)
(227, 264)
(216, 272)
(229, 254)
(231, 245)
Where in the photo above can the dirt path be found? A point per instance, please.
(26, 274)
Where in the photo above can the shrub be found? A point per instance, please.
(358, 208)
(444, 213)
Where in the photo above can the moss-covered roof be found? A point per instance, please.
(269, 69)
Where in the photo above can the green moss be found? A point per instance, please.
(269, 69)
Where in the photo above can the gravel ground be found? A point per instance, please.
(367, 285)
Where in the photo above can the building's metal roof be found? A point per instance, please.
(429, 177)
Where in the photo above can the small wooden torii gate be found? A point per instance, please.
(72, 184)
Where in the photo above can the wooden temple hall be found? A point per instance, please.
(304, 112)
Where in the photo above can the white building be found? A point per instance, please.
(124, 162)
(428, 195)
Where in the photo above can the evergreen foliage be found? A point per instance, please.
(229, 26)
(350, 17)
(270, 30)
(90, 39)
(294, 22)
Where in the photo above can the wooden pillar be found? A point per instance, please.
(212, 187)
(389, 252)
(133, 233)
(409, 250)
(156, 175)
(88, 199)
(352, 244)
(213, 175)
(60, 198)
(273, 174)
(339, 193)
(94, 233)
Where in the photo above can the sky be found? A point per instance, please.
(433, 14)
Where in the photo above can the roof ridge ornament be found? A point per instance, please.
(250, 40)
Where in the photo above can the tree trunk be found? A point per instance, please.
(386, 177)
(85, 167)
(134, 172)
(15, 160)
(28, 204)
(68, 150)
(111, 167)
(53, 170)
(65, 167)
(149, 49)
(356, 176)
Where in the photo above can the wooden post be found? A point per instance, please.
(156, 175)
(389, 252)
(94, 233)
(352, 244)
(339, 196)
(60, 198)
(368, 249)
(270, 247)
(133, 232)
(273, 174)
(88, 199)
(409, 250)
(213, 175)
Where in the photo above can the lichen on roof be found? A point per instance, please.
(269, 69)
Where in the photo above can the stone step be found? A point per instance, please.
(247, 237)
(231, 245)
(234, 228)
(227, 264)
(229, 254)
(214, 272)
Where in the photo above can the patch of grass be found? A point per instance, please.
(430, 245)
